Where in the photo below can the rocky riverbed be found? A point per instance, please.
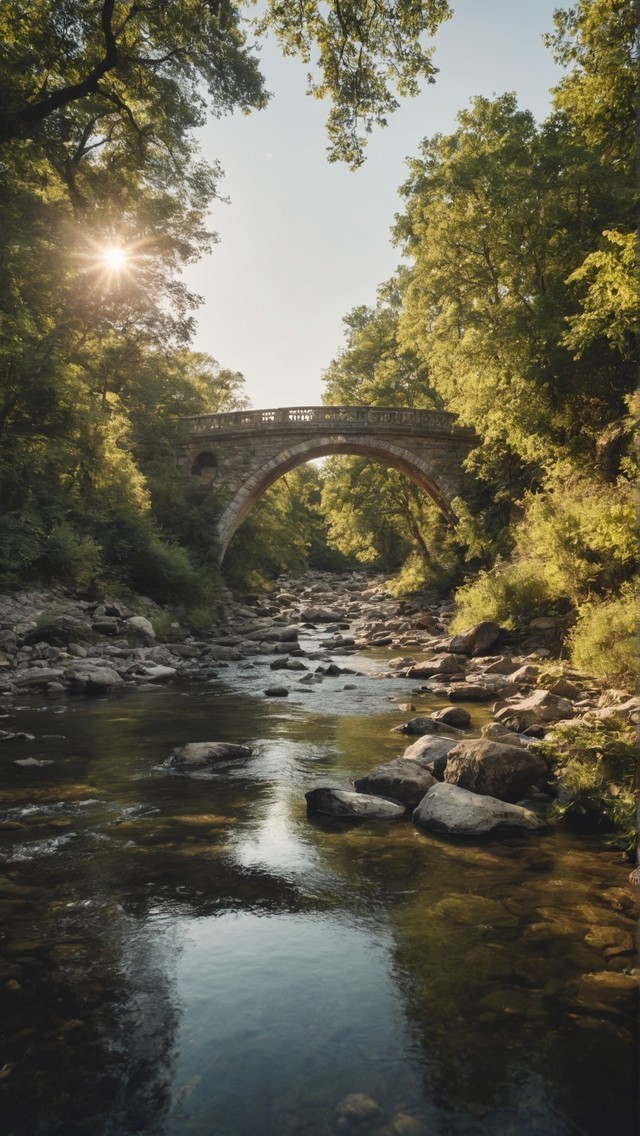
(299, 636)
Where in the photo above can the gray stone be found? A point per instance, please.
(494, 769)
(438, 665)
(401, 780)
(93, 679)
(277, 692)
(453, 716)
(449, 809)
(470, 692)
(141, 625)
(345, 804)
(431, 753)
(159, 673)
(539, 708)
(202, 755)
(60, 630)
(40, 677)
(476, 640)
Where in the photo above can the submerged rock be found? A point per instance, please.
(357, 1109)
(343, 803)
(448, 808)
(202, 755)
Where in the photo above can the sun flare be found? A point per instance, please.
(115, 258)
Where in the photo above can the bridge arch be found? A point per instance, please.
(418, 469)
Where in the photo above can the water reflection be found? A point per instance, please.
(194, 956)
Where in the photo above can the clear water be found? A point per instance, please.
(193, 957)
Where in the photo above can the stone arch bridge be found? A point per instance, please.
(243, 452)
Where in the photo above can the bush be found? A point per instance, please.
(69, 557)
(603, 641)
(512, 594)
(21, 543)
(596, 765)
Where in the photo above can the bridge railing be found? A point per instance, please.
(435, 421)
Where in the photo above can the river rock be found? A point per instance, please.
(93, 679)
(202, 755)
(431, 753)
(60, 630)
(538, 709)
(343, 803)
(401, 780)
(423, 725)
(141, 625)
(358, 1109)
(277, 692)
(493, 769)
(525, 674)
(470, 692)
(439, 664)
(321, 615)
(159, 673)
(475, 640)
(453, 716)
(448, 808)
(503, 665)
(496, 732)
(37, 677)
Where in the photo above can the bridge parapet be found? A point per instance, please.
(356, 417)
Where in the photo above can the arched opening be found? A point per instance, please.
(381, 450)
(205, 467)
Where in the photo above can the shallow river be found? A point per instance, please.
(187, 956)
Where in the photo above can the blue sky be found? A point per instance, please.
(304, 241)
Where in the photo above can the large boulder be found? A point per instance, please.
(476, 640)
(470, 692)
(431, 753)
(401, 780)
(141, 626)
(351, 806)
(195, 756)
(455, 716)
(321, 615)
(538, 709)
(494, 769)
(438, 665)
(93, 679)
(60, 630)
(448, 808)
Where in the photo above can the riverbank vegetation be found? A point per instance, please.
(514, 308)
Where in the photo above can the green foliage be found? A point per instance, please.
(582, 532)
(596, 763)
(69, 556)
(598, 40)
(131, 77)
(610, 299)
(364, 53)
(498, 216)
(604, 640)
(284, 532)
(511, 593)
(373, 369)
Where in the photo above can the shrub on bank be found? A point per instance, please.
(603, 641)
(595, 762)
(512, 594)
